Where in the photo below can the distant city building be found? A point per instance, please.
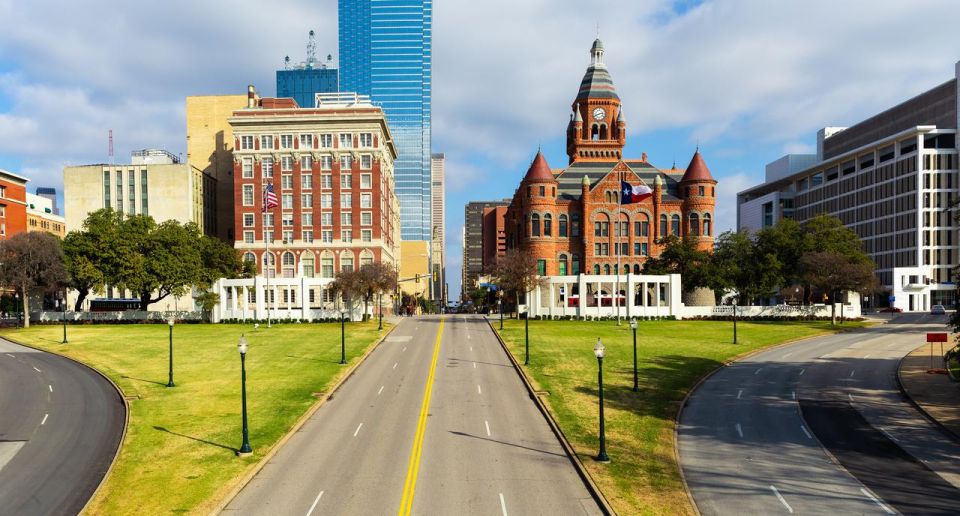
(13, 204)
(494, 235)
(473, 238)
(415, 268)
(155, 183)
(572, 220)
(438, 242)
(891, 178)
(302, 81)
(210, 151)
(331, 168)
(41, 216)
(385, 52)
(51, 194)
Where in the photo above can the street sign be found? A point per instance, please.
(891, 298)
(937, 337)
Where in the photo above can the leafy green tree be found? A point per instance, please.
(30, 261)
(740, 264)
(784, 241)
(80, 256)
(683, 257)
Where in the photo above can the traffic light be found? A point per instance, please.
(436, 275)
(418, 279)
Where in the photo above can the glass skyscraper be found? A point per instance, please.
(303, 84)
(385, 52)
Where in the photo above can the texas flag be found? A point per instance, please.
(630, 194)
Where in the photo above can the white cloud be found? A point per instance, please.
(725, 211)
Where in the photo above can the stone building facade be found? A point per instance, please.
(572, 220)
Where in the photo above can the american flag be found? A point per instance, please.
(269, 198)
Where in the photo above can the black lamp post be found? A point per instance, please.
(633, 326)
(16, 296)
(734, 322)
(63, 317)
(380, 310)
(500, 306)
(170, 380)
(245, 448)
(526, 339)
(598, 350)
(343, 337)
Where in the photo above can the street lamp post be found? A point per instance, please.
(598, 350)
(734, 322)
(633, 326)
(245, 449)
(526, 339)
(343, 337)
(16, 296)
(380, 311)
(170, 377)
(500, 306)
(63, 317)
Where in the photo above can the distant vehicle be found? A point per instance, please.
(114, 305)
(938, 310)
(892, 309)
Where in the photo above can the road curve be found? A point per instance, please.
(754, 437)
(60, 427)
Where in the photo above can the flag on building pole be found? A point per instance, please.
(630, 194)
(270, 200)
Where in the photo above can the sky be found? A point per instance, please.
(747, 81)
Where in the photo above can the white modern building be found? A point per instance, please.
(891, 178)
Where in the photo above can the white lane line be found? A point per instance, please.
(315, 502)
(487, 424)
(802, 371)
(478, 390)
(471, 348)
(44, 419)
(503, 505)
(784, 502)
(757, 371)
(468, 336)
(50, 387)
(474, 365)
(37, 370)
(850, 396)
(739, 393)
(381, 390)
(404, 349)
(852, 372)
(11, 356)
(395, 365)
(806, 432)
(793, 394)
(866, 356)
(889, 435)
(785, 355)
(740, 430)
(878, 502)
(357, 431)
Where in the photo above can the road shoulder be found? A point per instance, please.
(936, 396)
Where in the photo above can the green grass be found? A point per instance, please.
(178, 454)
(643, 477)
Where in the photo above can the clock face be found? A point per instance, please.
(599, 114)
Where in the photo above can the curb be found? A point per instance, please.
(950, 434)
(567, 447)
(126, 415)
(246, 478)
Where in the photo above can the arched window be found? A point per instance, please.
(603, 131)
(562, 229)
(250, 257)
(366, 257)
(594, 132)
(535, 225)
(626, 268)
(308, 268)
(675, 225)
(596, 269)
(636, 268)
(694, 224)
(575, 265)
(706, 224)
(547, 225)
(288, 264)
(606, 269)
(575, 225)
(270, 265)
(563, 264)
(663, 226)
(346, 262)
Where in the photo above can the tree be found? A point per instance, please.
(31, 261)
(80, 257)
(740, 264)
(683, 257)
(832, 272)
(369, 280)
(784, 241)
(516, 272)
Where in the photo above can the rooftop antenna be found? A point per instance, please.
(311, 49)
(598, 30)
(286, 62)
(110, 146)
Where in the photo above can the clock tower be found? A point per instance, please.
(597, 129)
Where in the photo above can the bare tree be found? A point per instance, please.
(30, 261)
(516, 272)
(832, 273)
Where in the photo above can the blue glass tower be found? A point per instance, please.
(304, 83)
(385, 52)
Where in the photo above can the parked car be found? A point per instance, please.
(938, 310)
(892, 309)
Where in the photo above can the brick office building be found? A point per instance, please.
(331, 167)
(13, 204)
(568, 218)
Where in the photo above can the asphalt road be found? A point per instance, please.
(471, 443)
(819, 427)
(60, 427)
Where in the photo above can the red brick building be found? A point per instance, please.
(331, 167)
(13, 204)
(571, 218)
(494, 235)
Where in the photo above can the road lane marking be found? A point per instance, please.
(806, 432)
(468, 336)
(802, 371)
(757, 371)
(478, 390)
(471, 348)
(315, 502)
(851, 373)
(404, 349)
(784, 502)
(487, 424)
(474, 365)
(395, 365)
(37, 370)
(739, 393)
(410, 484)
(793, 394)
(740, 430)
(357, 431)
(866, 356)
(44, 419)
(889, 435)
(503, 505)
(50, 387)
(851, 397)
(381, 390)
(785, 355)
(878, 502)
(11, 356)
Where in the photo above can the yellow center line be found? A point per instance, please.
(406, 503)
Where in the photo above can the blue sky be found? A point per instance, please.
(748, 80)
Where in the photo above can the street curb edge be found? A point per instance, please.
(950, 434)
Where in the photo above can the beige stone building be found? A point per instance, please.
(210, 151)
(41, 217)
(415, 261)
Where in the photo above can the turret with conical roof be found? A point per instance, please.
(698, 191)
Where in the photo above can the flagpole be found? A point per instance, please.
(619, 247)
(266, 257)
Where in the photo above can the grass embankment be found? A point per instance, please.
(178, 454)
(643, 477)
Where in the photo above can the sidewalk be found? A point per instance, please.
(934, 394)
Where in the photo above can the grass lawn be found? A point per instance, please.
(643, 477)
(178, 454)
